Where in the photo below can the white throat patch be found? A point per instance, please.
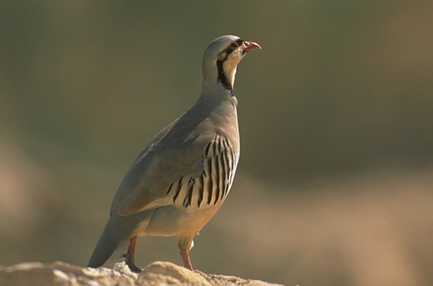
(230, 66)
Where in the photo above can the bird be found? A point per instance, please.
(181, 179)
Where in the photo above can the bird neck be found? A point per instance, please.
(215, 89)
(213, 93)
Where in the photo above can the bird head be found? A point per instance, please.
(222, 57)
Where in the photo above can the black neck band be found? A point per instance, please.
(222, 78)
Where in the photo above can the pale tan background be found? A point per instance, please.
(336, 113)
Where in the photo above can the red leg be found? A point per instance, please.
(130, 255)
(186, 257)
(185, 246)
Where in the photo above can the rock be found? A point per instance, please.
(156, 273)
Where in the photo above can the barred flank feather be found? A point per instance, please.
(220, 162)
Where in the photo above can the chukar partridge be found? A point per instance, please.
(178, 183)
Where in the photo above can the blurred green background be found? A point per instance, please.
(336, 114)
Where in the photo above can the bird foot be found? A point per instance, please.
(131, 264)
(134, 268)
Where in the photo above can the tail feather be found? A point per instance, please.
(117, 230)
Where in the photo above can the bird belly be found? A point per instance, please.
(173, 221)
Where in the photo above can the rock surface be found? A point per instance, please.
(157, 273)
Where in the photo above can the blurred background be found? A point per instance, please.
(336, 113)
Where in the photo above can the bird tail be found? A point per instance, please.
(117, 230)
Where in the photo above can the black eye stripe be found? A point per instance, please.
(233, 46)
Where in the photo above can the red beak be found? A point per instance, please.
(251, 46)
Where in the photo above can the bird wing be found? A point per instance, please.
(171, 155)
